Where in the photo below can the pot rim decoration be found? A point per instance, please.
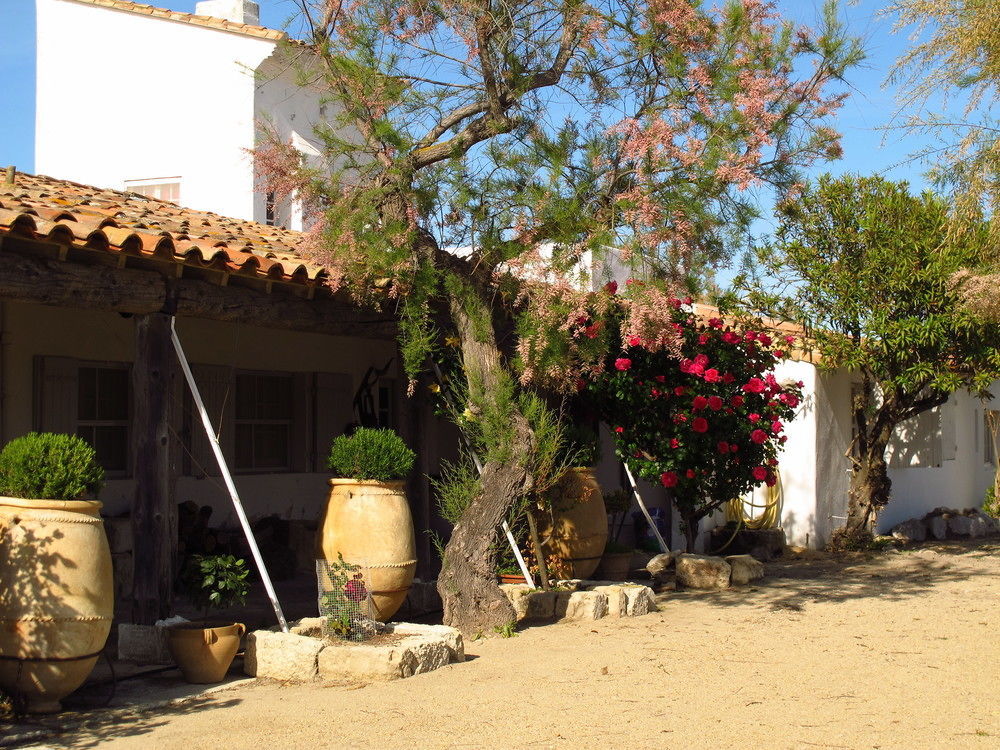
(88, 507)
(393, 483)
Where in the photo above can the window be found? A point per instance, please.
(102, 414)
(991, 435)
(264, 416)
(159, 188)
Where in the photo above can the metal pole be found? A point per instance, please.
(227, 477)
(645, 511)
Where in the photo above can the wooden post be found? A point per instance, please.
(154, 509)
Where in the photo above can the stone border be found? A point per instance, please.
(580, 600)
(302, 654)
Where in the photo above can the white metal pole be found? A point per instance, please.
(227, 477)
(645, 511)
(503, 525)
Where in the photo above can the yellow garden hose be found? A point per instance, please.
(736, 509)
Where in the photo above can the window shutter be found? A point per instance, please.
(948, 414)
(57, 391)
(302, 442)
(334, 411)
(215, 383)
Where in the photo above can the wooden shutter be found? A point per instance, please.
(302, 442)
(56, 394)
(215, 383)
(334, 411)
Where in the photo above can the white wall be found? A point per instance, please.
(126, 96)
(958, 482)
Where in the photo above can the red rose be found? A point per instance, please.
(623, 363)
(690, 473)
(581, 384)
(715, 323)
(779, 353)
(736, 401)
(714, 403)
(754, 385)
(759, 473)
(355, 590)
(703, 339)
(634, 341)
(611, 287)
(723, 446)
(699, 424)
(758, 436)
(619, 430)
(750, 336)
(591, 331)
(771, 480)
(776, 427)
(783, 439)
(733, 448)
(699, 402)
(764, 339)
(712, 375)
(660, 378)
(789, 340)
(728, 378)
(679, 390)
(668, 479)
(754, 417)
(675, 443)
(731, 338)
(772, 462)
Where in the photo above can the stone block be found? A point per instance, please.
(910, 531)
(991, 524)
(282, 656)
(745, 568)
(639, 600)
(310, 626)
(143, 644)
(938, 527)
(660, 564)
(617, 599)
(581, 605)
(702, 572)
(422, 648)
(451, 637)
(960, 525)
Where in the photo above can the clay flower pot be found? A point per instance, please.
(204, 652)
(369, 523)
(56, 597)
(578, 529)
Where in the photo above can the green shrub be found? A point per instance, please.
(991, 504)
(215, 581)
(582, 446)
(370, 454)
(48, 466)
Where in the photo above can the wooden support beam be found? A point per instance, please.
(27, 277)
(154, 507)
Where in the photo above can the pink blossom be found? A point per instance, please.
(623, 363)
(759, 437)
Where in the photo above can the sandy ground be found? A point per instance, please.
(896, 650)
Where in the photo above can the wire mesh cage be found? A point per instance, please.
(345, 602)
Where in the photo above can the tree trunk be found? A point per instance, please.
(691, 531)
(473, 602)
(869, 491)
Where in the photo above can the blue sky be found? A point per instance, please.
(866, 149)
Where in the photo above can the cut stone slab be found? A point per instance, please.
(617, 600)
(422, 648)
(581, 605)
(660, 564)
(639, 600)
(960, 525)
(938, 527)
(703, 572)
(282, 656)
(745, 568)
(913, 530)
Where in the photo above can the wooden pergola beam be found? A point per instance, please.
(29, 277)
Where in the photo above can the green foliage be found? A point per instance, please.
(376, 454)
(218, 581)
(582, 446)
(455, 489)
(49, 466)
(991, 503)
(507, 630)
(341, 598)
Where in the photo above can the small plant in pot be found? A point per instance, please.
(203, 650)
(367, 518)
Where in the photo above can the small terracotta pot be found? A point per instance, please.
(510, 578)
(204, 653)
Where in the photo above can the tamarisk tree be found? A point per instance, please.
(533, 135)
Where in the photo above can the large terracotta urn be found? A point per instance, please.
(369, 523)
(577, 528)
(56, 597)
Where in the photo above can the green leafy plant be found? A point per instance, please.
(50, 466)
(218, 581)
(991, 503)
(341, 599)
(378, 454)
(507, 630)
(582, 446)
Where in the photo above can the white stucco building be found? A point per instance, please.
(168, 104)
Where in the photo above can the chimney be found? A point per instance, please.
(240, 11)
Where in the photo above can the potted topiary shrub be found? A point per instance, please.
(56, 587)
(204, 651)
(575, 527)
(367, 517)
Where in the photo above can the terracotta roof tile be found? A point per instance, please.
(82, 216)
(220, 24)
